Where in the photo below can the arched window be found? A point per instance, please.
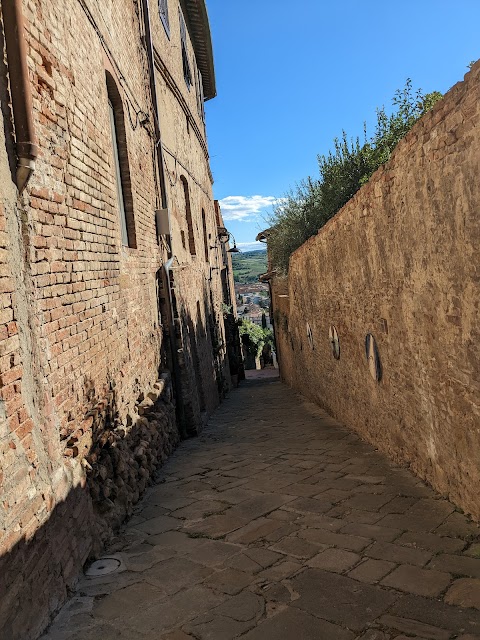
(188, 214)
(205, 237)
(120, 163)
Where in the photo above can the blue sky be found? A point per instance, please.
(292, 75)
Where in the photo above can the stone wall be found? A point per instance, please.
(86, 405)
(401, 261)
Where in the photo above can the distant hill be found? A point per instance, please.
(248, 265)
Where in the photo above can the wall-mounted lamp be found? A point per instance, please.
(225, 236)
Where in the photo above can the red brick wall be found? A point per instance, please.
(81, 340)
(400, 261)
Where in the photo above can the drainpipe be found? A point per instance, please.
(25, 139)
(168, 265)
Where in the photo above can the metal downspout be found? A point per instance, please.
(163, 196)
(25, 139)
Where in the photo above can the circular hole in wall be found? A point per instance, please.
(334, 342)
(310, 336)
(373, 357)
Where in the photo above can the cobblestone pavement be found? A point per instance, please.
(278, 522)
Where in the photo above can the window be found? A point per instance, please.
(200, 96)
(188, 214)
(120, 164)
(163, 10)
(205, 237)
(187, 74)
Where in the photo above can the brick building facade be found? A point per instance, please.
(112, 339)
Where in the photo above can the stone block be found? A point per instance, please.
(412, 579)
(464, 593)
(371, 571)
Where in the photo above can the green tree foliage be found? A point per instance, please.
(307, 207)
(256, 337)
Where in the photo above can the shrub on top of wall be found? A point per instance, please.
(308, 207)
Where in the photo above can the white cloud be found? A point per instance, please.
(243, 208)
(251, 246)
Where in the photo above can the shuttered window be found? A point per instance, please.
(187, 74)
(163, 9)
(200, 96)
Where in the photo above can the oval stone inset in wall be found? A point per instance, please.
(334, 341)
(310, 336)
(373, 358)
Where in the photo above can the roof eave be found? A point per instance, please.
(202, 44)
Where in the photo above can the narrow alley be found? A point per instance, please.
(280, 523)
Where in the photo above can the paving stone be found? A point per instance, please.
(342, 483)
(292, 624)
(213, 627)
(366, 478)
(414, 627)
(282, 532)
(230, 581)
(305, 490)
(357, 515)
(176, 541)
(310, 505)
(101, 630)
(415, 580)
(217, 526)
(399, 504)
(320, 536)
(372, 571)
(333, 495)
(372, 531)
(258, 506)
(128, 601)
(285, 516)
(165, 500)
(213, 552)
(458, 565)
(374, 634)
(411, 522)
(336, 560)
(276, 592)
(464, 593)
(159, 525)
(281, 570)
(176, 573)
(340, 599)
(437, 614)
(295, 547)
(367, 502)
(243, 607)
(398, 554)
(200, 509)
(146, 560)
(255, 530)
(315, 521)
(264, 557)
(430, 541)
(174, 611)
(458, 525)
